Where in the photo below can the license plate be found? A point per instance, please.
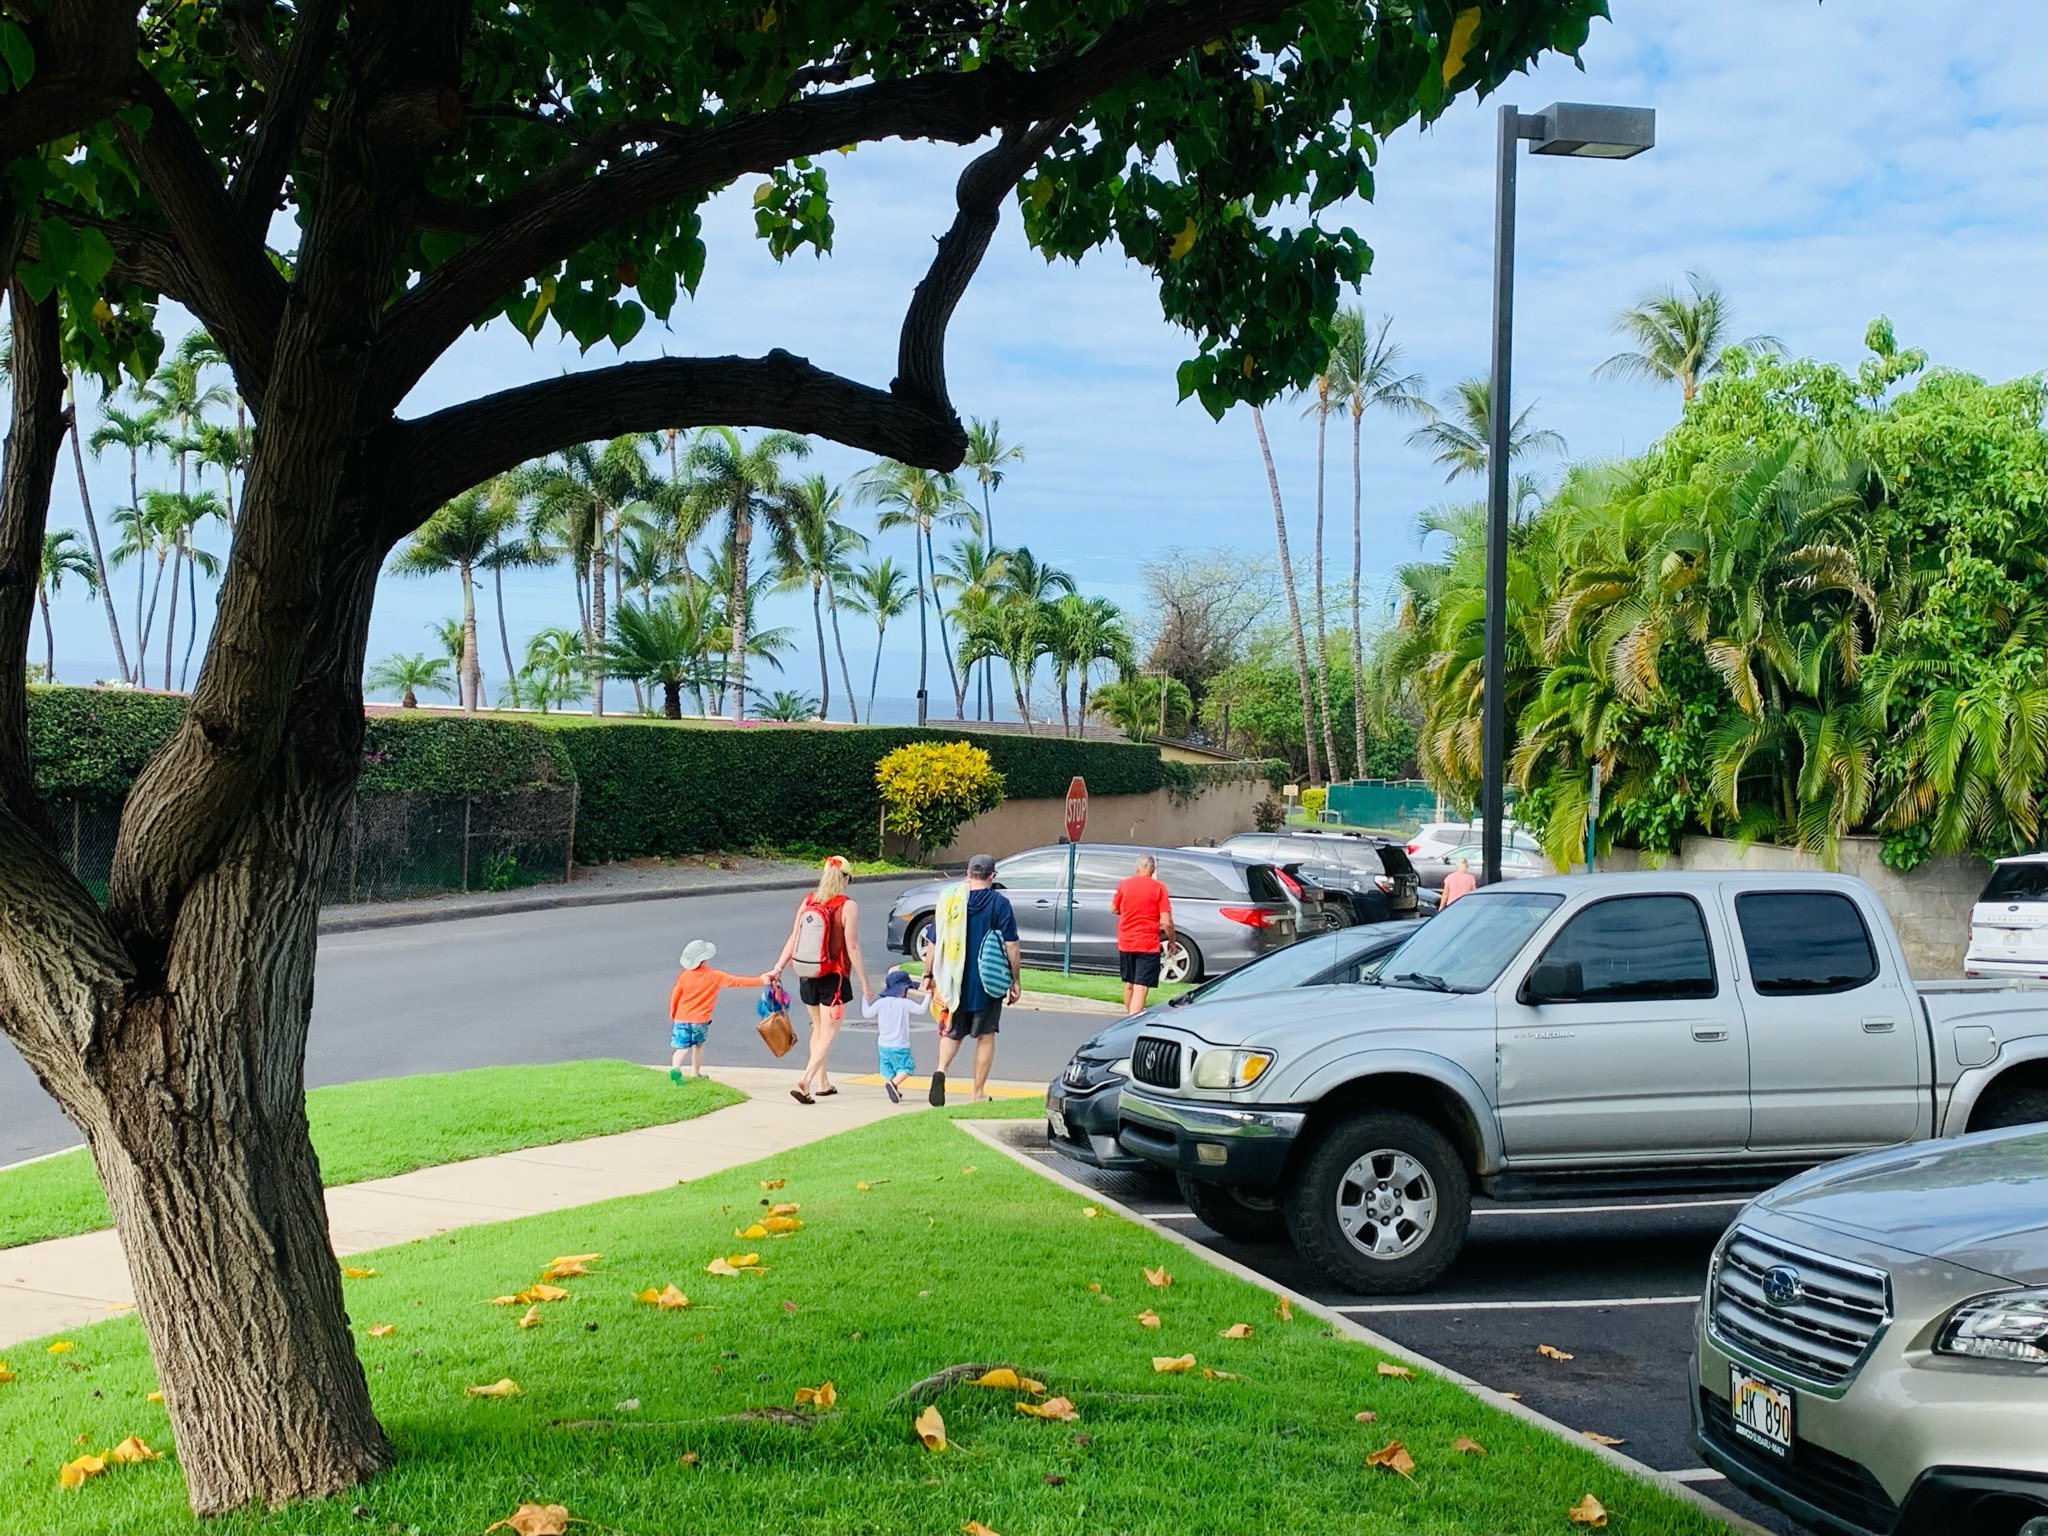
(1057, 1123)
(1762, 1410)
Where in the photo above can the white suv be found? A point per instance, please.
(1435, 839)
(2009, 924)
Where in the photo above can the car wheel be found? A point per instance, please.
(1179, 960)
(1381, 1203)
(2018, 1105)
(920, 929)
(1238, 1213)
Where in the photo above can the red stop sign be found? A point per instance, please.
(1077, 809)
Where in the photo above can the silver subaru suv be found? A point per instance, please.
(1871, 1355)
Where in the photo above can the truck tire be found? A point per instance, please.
(2018, 1105)
(1381, 1203)
(1233, 1212)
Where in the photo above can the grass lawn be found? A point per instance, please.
(395, 1124)
(1103, 989)
(640, 1419)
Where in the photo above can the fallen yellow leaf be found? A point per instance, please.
(1468, 1445)
(719, 1267)
(74, 1473)
(1394, 1457)
(1365, 1416)
(1212, 1374)
(1173, 1363)
(824, 1395)
(382, 1330)
(1052, 1408)
(543, 1293)
(565, 1269)
(1463, 26)
(931, 1429)
(1588, 1511)
(531, 1318)
(5, 1374)
(668, 1296)
(976, 1528)
(970, 1168)
(507, 1301)
(1284, 1310)
(743, 1260)
(154, 1397)
(755, 1230)
(1158, 1276)
(577, 1258)
(781, 1224)
(1091, 1212)
(1552, 1352)
(691, 1458)
(787, 1208)
(1597, 1438)
(1001, 1376)
(61, 1347)
(862, 1184)
(354, 1272)
(1236, 1331)
(1149, 1318)
(773, 1183)
(504, 1386)
(132, 1450)
(534, 1520)
(1402, 1371)
(1095, 1286)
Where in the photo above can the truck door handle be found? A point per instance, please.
(1710, 1034)
(1879, 1026)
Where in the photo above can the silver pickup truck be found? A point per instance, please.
(1573, 1036)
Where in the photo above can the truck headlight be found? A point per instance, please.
(2006, 1325)
(1231, 1069)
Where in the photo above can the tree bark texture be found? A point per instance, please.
(35, 432)
(1308, 708)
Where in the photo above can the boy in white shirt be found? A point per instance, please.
(892, 1013)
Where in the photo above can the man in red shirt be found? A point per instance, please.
(1144, 916)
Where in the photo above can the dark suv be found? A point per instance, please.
(1374, 871)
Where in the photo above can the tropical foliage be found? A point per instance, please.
(931, 789)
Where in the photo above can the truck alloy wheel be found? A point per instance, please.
(1380, 1204)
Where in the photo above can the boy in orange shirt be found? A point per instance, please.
(690, 1004)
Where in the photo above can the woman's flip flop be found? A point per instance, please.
(801, 1097)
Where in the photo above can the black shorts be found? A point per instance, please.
(974, 1023)
(1139, 966)
(825, 991)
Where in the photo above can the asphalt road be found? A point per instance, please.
(556, 985)
(1612, 1283)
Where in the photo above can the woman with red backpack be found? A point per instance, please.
(824, 945)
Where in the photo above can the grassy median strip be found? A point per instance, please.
(919, 1250)
(371, 1130)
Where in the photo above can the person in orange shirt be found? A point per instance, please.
(1460, 882)
(691, 1001)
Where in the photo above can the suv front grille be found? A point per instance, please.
(1843, 1488)
(1822, 1333)
(1156, 1062)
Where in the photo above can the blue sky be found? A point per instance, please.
(1825, 162)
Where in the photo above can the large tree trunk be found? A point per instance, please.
(742, 541)
(1322, 623)
(1357, 613)
(99, 559)
(672, 698)
(35, 432)
(1308, 708)
(839, 645)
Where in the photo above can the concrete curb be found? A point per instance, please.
(1364, 1335)
(340, 920)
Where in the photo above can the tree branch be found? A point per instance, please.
(441, 455)
(34, 434)
(85, 63)
(140, 256)
(235, 290)
(260, 182)
(957, 107)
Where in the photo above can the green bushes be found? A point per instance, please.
(437, 755)
(931, 788)
(90, 743)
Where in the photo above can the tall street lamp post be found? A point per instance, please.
(1562, 128)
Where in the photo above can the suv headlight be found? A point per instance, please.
(2006, 1325)
(1231, 1069)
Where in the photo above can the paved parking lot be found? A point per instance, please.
(1612, 1283)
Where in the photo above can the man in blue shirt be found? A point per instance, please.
(979, 1015)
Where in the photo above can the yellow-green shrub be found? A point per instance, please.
(1313, 801)
(931, 788)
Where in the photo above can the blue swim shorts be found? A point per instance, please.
(682, 1036)
(896, 1060)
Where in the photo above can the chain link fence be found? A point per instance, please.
(394, 846)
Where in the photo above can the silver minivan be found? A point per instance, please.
(2009, 924)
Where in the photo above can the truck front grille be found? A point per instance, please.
(1821, 1332)
(1156, 1062)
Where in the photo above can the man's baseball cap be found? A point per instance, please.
(982, 866)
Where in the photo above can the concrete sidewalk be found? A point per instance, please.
(71, 1281)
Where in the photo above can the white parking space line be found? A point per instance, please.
(1171, 1215)
(1604, 1210)
(1576, 1303)
(1697, 1475)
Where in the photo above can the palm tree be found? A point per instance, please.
(881, 592)
(174, 515)
(1308, 708)
(180, 394)
(1678, 339)
(1085, 631)
(987, 456)
(199, 348)
(139, 432)
(461, 537)
(581, 500)
(511, 549)
(92, 526)
(819, 547)
(141, 537)
(741, 483)
(555, 666)
(975, 572)
(785, 705)
(62, 555)
(1365, 368)
(1028, 583)
(665, 642)
(920, 500)
(1458, 432)
(409, 677)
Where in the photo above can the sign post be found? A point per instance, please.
(1077, 823)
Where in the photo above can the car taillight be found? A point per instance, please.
(1385, 883)
(1415, 847)
(1251, 917)
(1293, 885)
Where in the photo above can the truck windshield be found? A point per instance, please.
(1466, 946)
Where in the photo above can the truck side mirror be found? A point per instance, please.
(1554, 981)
